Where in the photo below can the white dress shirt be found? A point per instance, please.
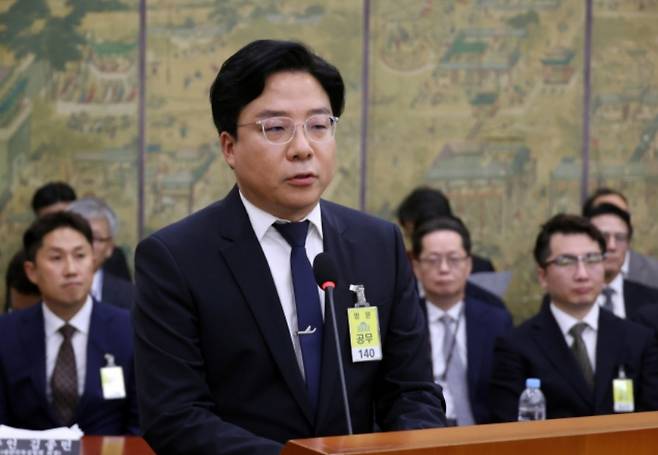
(97, 285)
(436, 328)
(627, 263)
(618, 303)
(52, 324)
(566, 322)
(277, 252)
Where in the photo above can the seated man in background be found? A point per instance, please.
(572, 346)
(56, 196)
(462, 328)
(621, 296)
(52, 197)
(20, 291)
(52, 354)
(637, 267)
(106, 287)
(425, 203)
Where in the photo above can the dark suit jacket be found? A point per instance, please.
(482, 264)
(117, 264)
(479, 293)
(484, 324)
(636, 296)
(648, 316)
(538, 349)
(23, 401)
(117, 291)
(216, 369)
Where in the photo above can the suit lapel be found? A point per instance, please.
(245, 257)
(632, 301)
(97, 347)
(476, 345)
(337, 248)
(608, 346)
(33, 339)
(548, 336)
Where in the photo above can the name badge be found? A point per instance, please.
(622, 393)
(364, 334)
(112, 381)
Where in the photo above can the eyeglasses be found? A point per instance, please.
(619, 237)
(281, 130)
(570, 261)
(102, 239)
(435, 261)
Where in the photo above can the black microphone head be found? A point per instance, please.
(324, 269)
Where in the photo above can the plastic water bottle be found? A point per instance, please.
(532, 404)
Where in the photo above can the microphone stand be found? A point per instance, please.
(329, 292)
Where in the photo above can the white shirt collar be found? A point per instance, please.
(566, 321)
(434, 313)
(261, 221)
(52, 322)
(626, 264)
(97, 285)
(617, 284)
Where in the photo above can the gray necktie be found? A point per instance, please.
(455, 375)
(580, 351)
(607, 303)
(64, 381)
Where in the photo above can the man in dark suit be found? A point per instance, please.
(55, 196)
(620, 295)
(462, 328)
(106, 288)
(637, 267)
(223, 365)
(425, 203)
(52, 354)
(572, 346)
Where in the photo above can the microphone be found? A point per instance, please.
(324, 269)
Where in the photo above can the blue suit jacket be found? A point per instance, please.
(538, 349)
(484, 324)
(216, 369)
(23, 401)
(117, 291)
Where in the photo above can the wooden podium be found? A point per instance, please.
(635, 434)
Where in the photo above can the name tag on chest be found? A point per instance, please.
(364, 334)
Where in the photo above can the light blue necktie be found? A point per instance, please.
(455, 375)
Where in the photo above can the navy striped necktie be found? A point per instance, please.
(307, 302)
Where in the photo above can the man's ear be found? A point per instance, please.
(31, 271)
(541, 276)
(227, 142)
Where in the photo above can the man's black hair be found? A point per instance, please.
(52, 193)
(610, 209)
(16, 278)
(33, 237)
(444, 223)
(242, 77)
(422, 204)
(563, 223)
(602, 191)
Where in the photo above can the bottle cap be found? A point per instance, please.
(533, 383)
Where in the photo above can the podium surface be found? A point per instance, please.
(635, 434)
(115, 445)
